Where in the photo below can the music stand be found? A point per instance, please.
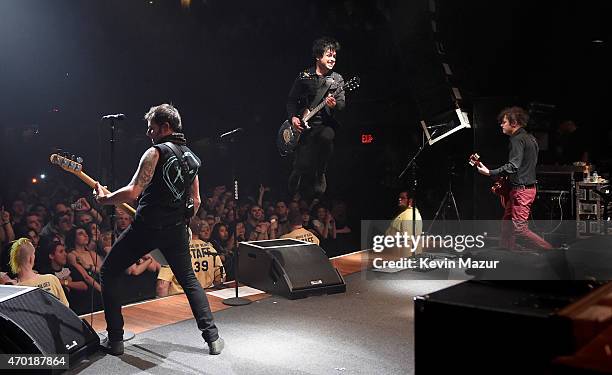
(449, 197)
(451, 122)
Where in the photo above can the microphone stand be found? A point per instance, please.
(127, 335)
(413, 192)
(232, 140)
(111, 177)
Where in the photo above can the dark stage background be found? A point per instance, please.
(229, 64)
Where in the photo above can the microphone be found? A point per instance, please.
(118, 116)
(231, 132)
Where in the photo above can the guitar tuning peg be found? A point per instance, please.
(73, 157)
(79, 159)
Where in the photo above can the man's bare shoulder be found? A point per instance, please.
(151, 152)
(146, 169)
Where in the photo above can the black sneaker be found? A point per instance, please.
(112, 347)
(320, 184)
(215, 347)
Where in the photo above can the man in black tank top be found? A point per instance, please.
(167, 186)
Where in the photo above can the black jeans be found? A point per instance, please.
(314, 150)
(137, 241)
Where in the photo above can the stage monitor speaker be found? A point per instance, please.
(288, 267)
(495, 326)
(33, 321)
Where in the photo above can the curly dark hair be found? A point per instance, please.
(321, 45)
(165, 113)
(71, 237)
(216, 236)
(516, 115)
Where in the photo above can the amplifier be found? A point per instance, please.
(502, 327)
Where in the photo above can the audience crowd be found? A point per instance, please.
(58, 240)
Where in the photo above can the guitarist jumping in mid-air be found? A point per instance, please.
(316, 142)
(521, 172)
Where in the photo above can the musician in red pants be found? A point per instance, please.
(521, 172)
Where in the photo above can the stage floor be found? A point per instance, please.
(144, 316)
(369, 329)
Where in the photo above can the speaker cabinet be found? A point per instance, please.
(495, 327)
(287, 267)
(33, 321)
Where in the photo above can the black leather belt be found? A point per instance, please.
(522, 187)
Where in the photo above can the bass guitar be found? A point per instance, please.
(76, 168)
(287, 138)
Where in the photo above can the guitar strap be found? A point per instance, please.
(185, 168)
(322, 90)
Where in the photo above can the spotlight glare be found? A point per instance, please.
(34, 180)
(43, 176)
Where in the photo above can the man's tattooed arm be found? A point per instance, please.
(144, 174)
(142, 178)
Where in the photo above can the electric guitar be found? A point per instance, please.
(501, 186)
(287, 138)
(76, 168)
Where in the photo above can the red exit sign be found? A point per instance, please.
(367, 138)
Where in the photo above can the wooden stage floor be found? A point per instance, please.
(144, 316)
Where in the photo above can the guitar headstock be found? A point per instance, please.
(67, 163)
(474, 160)
(351, 84)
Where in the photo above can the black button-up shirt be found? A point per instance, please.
(522, 160)
(303, 92)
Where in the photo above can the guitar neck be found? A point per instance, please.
(319, 106)
(314, 111)
(92, 183)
